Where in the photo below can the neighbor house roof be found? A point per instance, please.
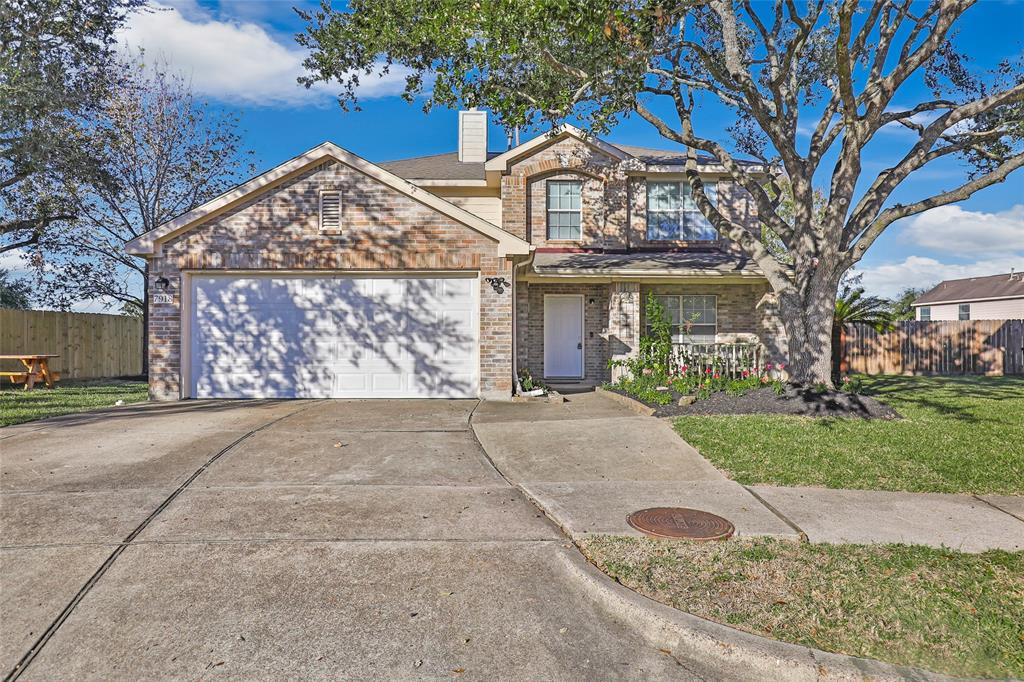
(639, 264)
(975, 289)
(148, 243)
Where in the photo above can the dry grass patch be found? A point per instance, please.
(957, 613)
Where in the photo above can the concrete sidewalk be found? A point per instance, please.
(962, 522)
(590, 462)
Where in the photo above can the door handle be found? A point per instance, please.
(579, 346)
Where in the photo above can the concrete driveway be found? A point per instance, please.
(321, 540)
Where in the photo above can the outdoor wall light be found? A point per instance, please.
(498, 283)
(162, 283)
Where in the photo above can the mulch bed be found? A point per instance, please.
(795, 401)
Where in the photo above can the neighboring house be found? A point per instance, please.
(997, 297)
(441, 276)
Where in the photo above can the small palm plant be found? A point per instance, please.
(853, 306)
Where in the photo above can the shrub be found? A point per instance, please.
(852, 385)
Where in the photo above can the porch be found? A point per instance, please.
(568, 331)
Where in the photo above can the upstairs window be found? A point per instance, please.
(330, 211)
(693, 319)
(964, 312)
(564, 209)
(672, 214)
(924, 313)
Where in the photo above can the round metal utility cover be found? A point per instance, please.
(679, 522)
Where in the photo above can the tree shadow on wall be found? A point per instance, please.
(336, 328)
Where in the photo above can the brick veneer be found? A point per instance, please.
(523, 199)
(614, 207)
(615, 320)
(743, 309)
(278, 230)
(530, 326)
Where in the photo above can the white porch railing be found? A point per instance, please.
(728, 359)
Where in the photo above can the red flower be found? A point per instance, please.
(717, 375)
(768, 366)
(685, 367)
(781, 366)
(746, 374)
(707, 371)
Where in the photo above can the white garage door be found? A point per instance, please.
(334, 337)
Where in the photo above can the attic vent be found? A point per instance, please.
(330, 211)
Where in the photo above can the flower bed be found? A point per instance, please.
(717, 379)
(663, 387)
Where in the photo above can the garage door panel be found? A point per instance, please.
(334, 336)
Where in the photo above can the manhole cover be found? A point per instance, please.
(679, 522)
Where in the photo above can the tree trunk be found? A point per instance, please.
(808, 323)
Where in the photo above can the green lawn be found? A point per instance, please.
(960, 434)
(17, 405)
(943, 610)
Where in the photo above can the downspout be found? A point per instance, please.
(515, 323)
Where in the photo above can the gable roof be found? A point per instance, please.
(446, 169)
(148, 243)
(502, 161)
(974, 289)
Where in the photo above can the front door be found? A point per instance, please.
(563, 336)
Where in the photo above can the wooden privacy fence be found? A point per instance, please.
(993, 347)
(89, 345)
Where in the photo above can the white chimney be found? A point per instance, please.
(473, 136)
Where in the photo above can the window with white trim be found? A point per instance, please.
(672, 213)
(964, 311)
(330, 211)
(693, 319)
(924, 313)
(564, 209)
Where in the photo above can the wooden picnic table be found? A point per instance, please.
(37, 366)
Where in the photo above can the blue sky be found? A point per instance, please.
(241, 55)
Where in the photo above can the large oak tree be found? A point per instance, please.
(841, 70)
(55, 59)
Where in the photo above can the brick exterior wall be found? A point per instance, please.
(615, 320)
(604, 214)
(614, 206)
(382, 230)
(743, 309)
(735, 203)
(530, 327)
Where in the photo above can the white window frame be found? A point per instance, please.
(961, 309)
(320, 210)
(687, 217)
(678, 334)
(549, 210)
(924, 313)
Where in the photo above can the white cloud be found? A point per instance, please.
(235, 61)
(890, 279)
(951, 229)
(14, 261)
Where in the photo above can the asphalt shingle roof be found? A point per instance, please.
(437, 167)
(975, 289)
(448, 167)
(660, 263)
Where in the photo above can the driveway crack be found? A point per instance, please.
(51, 630)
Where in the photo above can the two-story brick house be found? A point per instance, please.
(441, 276)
